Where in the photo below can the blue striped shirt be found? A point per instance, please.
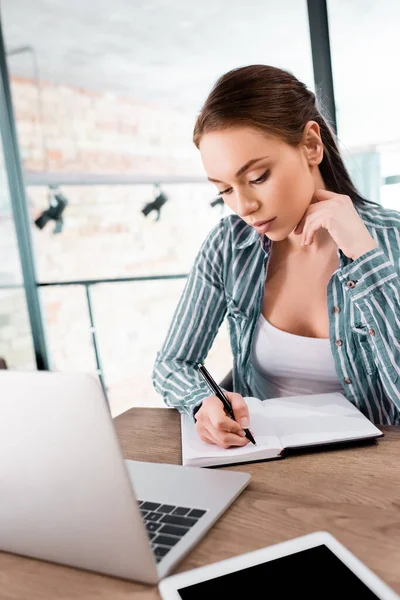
(228, 278)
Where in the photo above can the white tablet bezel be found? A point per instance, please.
(169, 587)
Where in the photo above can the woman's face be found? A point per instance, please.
(279, 185)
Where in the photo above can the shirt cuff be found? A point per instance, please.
(368, 272)
(193, 399)
(195, 409)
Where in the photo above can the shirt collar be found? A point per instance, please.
(251, 236)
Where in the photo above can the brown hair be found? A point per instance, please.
(273, 101)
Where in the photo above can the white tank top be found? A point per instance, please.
(285, 364)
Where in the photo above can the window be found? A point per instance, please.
(112, 90)
(365, 47)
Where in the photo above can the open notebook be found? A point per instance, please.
(282, 423)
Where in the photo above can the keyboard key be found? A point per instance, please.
(165, 508)
(140, 502)
(175, 520)
(153, 526)
(153, 516)
(149, 506)
(161, 551)
(195, 513)
(144, 513)
(181, 511)
(152, 535)
(166, 540)
(174, 530)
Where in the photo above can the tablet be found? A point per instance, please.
(315, 566)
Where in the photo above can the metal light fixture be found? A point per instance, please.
(156, 205)
(218, 200)
(57, 204)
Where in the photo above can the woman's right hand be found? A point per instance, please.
(215, 427)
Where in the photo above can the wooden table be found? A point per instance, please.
(353, 493)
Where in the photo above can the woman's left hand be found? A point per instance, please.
(337, 214)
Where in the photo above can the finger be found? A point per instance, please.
(217, 417)
(313, 208)
(306, 231)
(240, 410)
(312, 228)
(322, 194)
(225, 424)
(213, 410)
(205, 436)
(300, 226)
(224, 439)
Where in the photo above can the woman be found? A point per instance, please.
(307, 271)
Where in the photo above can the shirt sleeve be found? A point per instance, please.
(373, 284)
(194, 326)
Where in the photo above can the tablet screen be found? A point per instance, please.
(314, 574)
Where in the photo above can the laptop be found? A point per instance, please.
(68, 496)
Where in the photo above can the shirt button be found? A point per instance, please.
(336, 309)
(351, 284)
(339, 343)
(371, 331)
(347, 380)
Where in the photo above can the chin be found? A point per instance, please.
(278, 236)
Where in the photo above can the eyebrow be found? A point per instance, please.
(242, 170)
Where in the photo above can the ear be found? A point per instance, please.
(312, 143)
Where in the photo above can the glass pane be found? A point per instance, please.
(132, 321)
(69, 338)
(365, 49)
(106, 235)
(16, 347)
(119, 98)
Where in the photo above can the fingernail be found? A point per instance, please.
(245, 423)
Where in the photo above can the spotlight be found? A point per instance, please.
(217, 201)
(156, 205)
(57, 204)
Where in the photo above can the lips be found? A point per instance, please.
(258, 223)
(263, 226)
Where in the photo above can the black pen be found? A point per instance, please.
(214, 387)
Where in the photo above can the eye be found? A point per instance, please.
(262, 178)
(228, 191)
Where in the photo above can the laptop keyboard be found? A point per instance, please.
(166, 524)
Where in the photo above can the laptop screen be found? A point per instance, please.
(314, 574)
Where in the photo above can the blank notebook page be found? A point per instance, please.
(319, 418)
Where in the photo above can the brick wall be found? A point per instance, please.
(106, 235)
(66, 129)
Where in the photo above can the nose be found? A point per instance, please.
(245, 205)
